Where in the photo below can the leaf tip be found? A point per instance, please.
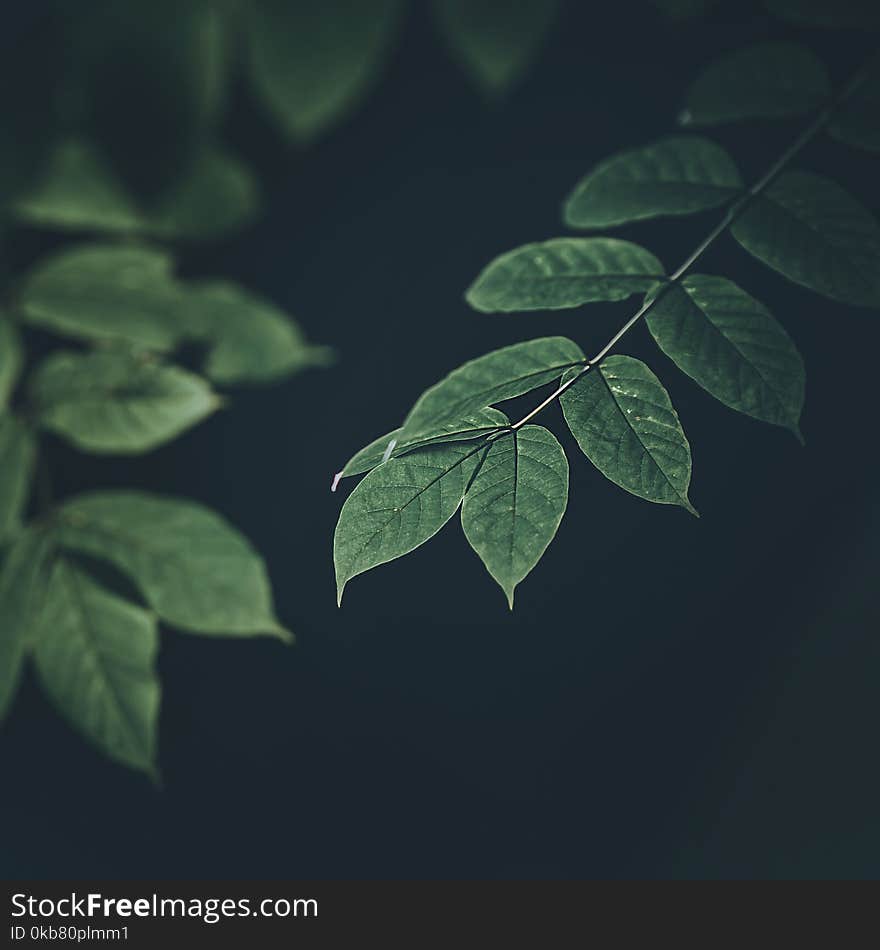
(688, 507)
(287, 637)
(796, 432)
(510, 598)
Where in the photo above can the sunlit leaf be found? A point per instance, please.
(193, 568)
(816, 234)
(767, 80)
(733, 347)
(563, 272)
(17, 454)
(490, 379)
(677, 175)
(834, 14)
(515, 503)
(400, 505)
(22, 595)
(95, 655)
(857, 121)
(116, 402)
(10, 359)
(471, 426)
(494, 40)
(311, 62)
(625, 424)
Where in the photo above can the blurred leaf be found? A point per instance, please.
(494, 40)
(22, 594)
(857, 121)
(80, 191)
(96, 658)
(117, 402)
(835, 14)
(195, 570)
(311, 62)
(250, 339)
(400, 505)
(767, 80)
(812, 231)
(677, 175)
(17, 456)
(624, 422)
(470, 426)
(11, 357)
(499, 375)
(563, 272)
(105, 292)
(733, 347)
(515, 503)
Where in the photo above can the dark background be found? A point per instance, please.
(672, 697)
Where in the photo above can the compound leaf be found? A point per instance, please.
(625, 424)
(193, 568)
(767, 80)
(816, 234)
(17, 455)
(515, 503)
(677, 175)
(119, 402)
(95, 654)
(563, 272)
(400, 505)
(733, 347)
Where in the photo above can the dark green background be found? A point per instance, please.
(671, 697)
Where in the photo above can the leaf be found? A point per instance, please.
(106, 292)
(499, 375)
(312, 62)
(767, 80)
(11, 359)
(677, 175)
(812, 231)
(514, 506)
(17, 456)
(96, 658)
(470, 426)
(856, 121)
(193, 568)
(563, 272)
(22, 593)
(836, 14)
(80, 191)
(250, 339)
(624, 422)
(495, 41)
(733, 347)
(118, 402)
(400, 505)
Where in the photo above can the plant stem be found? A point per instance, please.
(733, 212)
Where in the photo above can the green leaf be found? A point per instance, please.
(17, 455)
(22, 594)
(816, 234)
(118, 402)
(563, 272)
(767, 80)
(834, 14)
(250, 339)
(96, 658)
(106, 292)
(470, 426)
(80, 191)
(499, 375)
(677, 175)
(312, 62)
(400, 505)
(624, 422)
(733, 347)
(11, 359)
(514, 506)
(856, 122)
(495, 41)
(193, 568)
